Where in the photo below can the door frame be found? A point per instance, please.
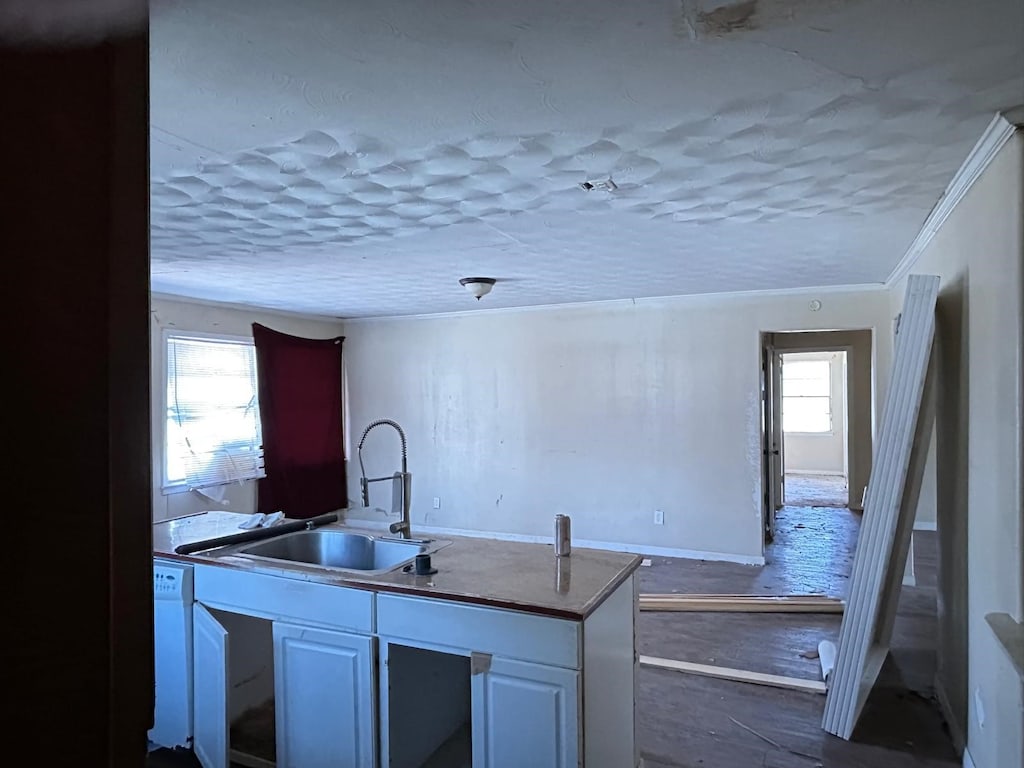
(860, 347)
(772, 479)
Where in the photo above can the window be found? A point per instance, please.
(807, 396)
(213, 424)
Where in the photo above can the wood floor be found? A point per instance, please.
(815, 490)
(685, 721)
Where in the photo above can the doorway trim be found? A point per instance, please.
(859, 345)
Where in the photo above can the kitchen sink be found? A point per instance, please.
(336, 549)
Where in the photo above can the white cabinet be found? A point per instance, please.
(441, 706)
(233, 688)
(210, 690)
(269, 693)
(458, 684)
(518, 689)
(525, 714)
(324, 689)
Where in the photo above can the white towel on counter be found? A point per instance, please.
(260, 520)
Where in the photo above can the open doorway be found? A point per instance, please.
(814, 416)
(817, 421)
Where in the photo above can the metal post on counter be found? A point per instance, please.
(562, 536)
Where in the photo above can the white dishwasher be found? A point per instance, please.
(173, 595)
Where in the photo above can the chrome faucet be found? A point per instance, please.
(402, 527)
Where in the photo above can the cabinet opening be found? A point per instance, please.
(429, 709)
(250, 694)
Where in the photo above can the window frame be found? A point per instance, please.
(831, 431)
(168, 488)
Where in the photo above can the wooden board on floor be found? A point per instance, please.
(742, 603)
(737, 675)
(719, 596)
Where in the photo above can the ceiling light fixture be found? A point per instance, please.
(606, 185)
(478, 286)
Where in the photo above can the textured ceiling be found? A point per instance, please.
(357, 159)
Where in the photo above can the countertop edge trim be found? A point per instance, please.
(402, 589)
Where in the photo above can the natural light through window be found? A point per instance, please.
(806, 396)
(213, 424)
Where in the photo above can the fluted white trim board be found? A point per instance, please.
(992, 140)
(885, 533)
(639, 549)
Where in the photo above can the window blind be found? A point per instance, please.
(213, 423)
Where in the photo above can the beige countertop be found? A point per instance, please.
(503, 574)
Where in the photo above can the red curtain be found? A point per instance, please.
(300, 391)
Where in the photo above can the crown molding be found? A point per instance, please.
(649, 301)
(247, 308)
(992, 140)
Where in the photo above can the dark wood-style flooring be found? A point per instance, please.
(685, 721)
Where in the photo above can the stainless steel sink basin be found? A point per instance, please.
(336, 549)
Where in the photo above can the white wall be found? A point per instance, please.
(823, 453)
(975, 465)
(209, 318)
(604, 412)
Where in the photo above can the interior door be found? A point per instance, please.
(210, 689)
(524, 714)
(778, 440)
(772, 442)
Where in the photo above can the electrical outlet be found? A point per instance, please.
(437, 502)
(659, 517)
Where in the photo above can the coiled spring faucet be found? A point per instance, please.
(402, 527)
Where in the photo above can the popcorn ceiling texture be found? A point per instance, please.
(754, 159)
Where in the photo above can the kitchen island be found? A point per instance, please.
(506, 656)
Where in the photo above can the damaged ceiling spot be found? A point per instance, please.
(696, 20)
(728, 18)
(303, 152)
(707, 18)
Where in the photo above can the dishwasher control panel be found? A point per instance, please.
(172, 582)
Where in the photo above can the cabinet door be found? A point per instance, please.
(524, 714)
(210, 689)
(325, 698)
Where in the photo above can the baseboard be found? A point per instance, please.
(925, 525)
(639, 549)
(955, 731)
(829, 472)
